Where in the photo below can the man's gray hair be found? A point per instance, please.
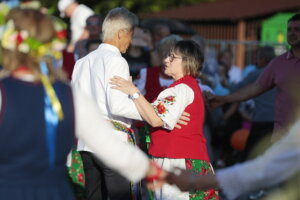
(117, 19)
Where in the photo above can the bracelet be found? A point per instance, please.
(155, 176)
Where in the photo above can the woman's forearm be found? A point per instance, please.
(147, 112)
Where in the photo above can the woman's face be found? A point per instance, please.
(174, 66)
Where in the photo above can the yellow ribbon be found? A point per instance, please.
(53, 98)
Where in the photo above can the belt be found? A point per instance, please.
(121, 127)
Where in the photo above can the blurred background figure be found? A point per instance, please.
(262, 121)
(78, 13)
(277, 169)
(94, 30)
(138, 54)
(158, 32)
(234, 72)
(92, 45)
(153, 80)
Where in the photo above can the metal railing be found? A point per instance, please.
(248, 47)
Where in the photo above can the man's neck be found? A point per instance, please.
(296, 51)
(112, 42)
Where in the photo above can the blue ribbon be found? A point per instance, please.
(51, 122)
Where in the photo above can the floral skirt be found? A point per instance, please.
(76, 174)
(170, 192)
(201, 167)
(76, 170)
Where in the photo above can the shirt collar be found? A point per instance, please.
(109, 47)
(290, 55)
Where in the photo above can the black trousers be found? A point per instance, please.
(102, 182)
(259, 132)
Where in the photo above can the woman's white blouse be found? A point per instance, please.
(171, 103)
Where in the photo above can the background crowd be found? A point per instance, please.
(244, 111)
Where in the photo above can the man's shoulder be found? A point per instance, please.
(279, 58)
(83, 10)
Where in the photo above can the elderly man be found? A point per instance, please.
(91, 75)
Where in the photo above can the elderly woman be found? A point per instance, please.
(39, 114)
(170, 146)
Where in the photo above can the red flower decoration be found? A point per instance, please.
(170, 98)
(19, 39)
(203, 170)
(211, 193)
(80, 178)
(61, 34)
(188, 164)
(161, 108)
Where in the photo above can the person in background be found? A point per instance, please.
(138, 54)
(41, 114)
(262, 122)
(280, 164)
(158, 32)
(282, 72)
(78, 14)
(92, 45)
(94, 30)
(153, 80)
(234, 72)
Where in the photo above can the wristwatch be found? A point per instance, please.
(134, 95)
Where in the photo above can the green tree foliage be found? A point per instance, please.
(139, 7)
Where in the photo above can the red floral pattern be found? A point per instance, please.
(80, 178)
(170, 98)
(188, 164)
(162, 107)
(201, 167)
(76, 174)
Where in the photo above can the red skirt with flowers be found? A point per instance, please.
(201, 167)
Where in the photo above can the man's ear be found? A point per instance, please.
(120, 34)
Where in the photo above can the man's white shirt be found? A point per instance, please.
(91, 75)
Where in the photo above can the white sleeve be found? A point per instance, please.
(118, 102)
(97, 133)
(276, 165)
(141, 81)
(171, 103)
(81, 76)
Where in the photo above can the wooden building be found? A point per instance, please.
(238, 20)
